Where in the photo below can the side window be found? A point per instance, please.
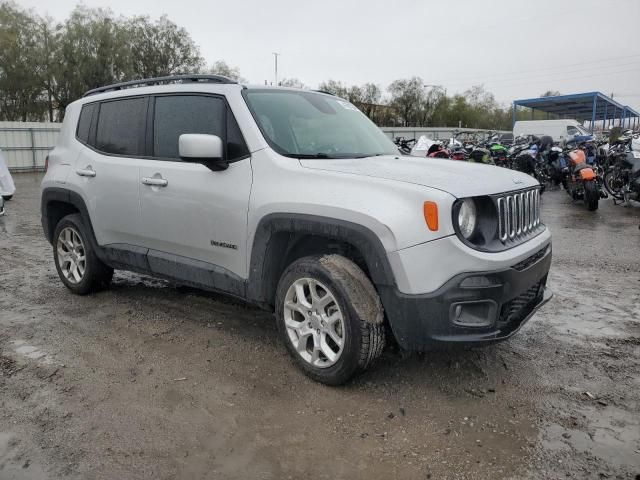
(236, 148)
(178, 114)
(121, 126)
(572, 130)
(84, 122)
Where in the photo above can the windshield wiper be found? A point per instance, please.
(310, 155)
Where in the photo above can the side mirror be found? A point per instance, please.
(204, 149)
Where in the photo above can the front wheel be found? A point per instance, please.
(330, 317)
(7, 197)
(591, 195)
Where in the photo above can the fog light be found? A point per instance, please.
(481, 313)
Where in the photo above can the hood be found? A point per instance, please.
(459, 178)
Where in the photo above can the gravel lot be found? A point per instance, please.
(149, 381)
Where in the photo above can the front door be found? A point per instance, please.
(194, 220)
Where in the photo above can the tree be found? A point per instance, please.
(91, 51)
(408, 97)
(293, 83)
(551, 93)
(222, 68)
(334, 88)
(160, 48)
(21, 64)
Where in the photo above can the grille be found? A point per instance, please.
(530, 260)
(517, 309)
(518, 214)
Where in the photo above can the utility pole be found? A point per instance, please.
(275, 56)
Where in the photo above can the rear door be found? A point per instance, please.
(106, 171)
(194, 220)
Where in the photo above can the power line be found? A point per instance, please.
(542, 69)
(568, 78)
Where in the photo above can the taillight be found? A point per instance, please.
(46, 163)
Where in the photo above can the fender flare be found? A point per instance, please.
(64, 195)
(266, 245)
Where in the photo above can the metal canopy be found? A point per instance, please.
(594, 107)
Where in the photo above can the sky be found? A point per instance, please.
(515, 48)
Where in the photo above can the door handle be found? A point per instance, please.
(156, 182)
(86, 172)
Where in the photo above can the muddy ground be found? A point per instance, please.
(146, 381)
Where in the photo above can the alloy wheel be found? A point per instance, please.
(72, 258)
(314, 322)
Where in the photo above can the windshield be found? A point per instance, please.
(313, 125)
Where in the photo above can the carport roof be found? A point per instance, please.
(587, 106)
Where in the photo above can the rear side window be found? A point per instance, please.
(175, 115)
(121, 127)
(84, 122)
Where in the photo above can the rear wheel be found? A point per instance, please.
(79, 268)
(330, 318)
(7, 197)
(591, 195)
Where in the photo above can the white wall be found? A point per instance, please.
(26, 144)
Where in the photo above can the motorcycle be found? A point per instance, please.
(580, 180)
(425, 147)
(526, 158)
(481, 155)
(405, 145)
(622, 179)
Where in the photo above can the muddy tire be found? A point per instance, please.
(591, 196)
(79, 268)
(330, 318)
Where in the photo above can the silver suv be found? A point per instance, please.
(294, 201)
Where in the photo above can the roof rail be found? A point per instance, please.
(161, 80)
(325, 92)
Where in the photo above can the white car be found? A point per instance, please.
(294, 201)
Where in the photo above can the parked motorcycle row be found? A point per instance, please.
(588, 168)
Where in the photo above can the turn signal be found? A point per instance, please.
(430, 210)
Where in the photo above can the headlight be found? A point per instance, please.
(467, 218)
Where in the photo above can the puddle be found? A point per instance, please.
(610, 435)
(33, 353)
(16, 464)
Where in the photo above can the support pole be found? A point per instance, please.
(593, 112)
(33, 148)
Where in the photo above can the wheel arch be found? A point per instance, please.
(281, 238)
(56, 203)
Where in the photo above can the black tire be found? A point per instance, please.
(609, 180)
(7, 197)
(97, 275)
(364, 332)
(591, 195)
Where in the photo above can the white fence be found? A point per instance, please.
(434, 133)
(26, 144)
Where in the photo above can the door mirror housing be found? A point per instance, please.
(204, 149)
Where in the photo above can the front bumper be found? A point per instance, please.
(472, 307)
